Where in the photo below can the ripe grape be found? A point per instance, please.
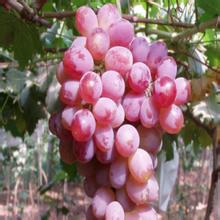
(106, 157)
(121, 33)
(66, 152)
(52, 123)
(98, 43)
(139, 77)
(119, 116)
(127, 140)
(77, 61)
(90, 87)
(60, 74)
(79, 42)
(86, 20)
(132, 104)
(119, 59)
(113, 85)
(114, 211)
(90, 186)
(83, 125)
(67, 116)
(107, 15)
(171, 119)
(164, 91)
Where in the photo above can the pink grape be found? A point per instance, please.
(157, 52)
(89, 214)
(114, 211)
(119, 116)
(106, 157)
(142, 193)
(107, 15)
(90, 186)
(139, 48)
(118, 173)
(90, 87)
(123, 198)
(67, 116)
(69, 93)
(66, 152)
(83, 125)
(127, 140)
(167, 67)
(132, 103)
(171, 119)
(103, 197)
(150, 139)
(86, 20)
(121, 33)
(119, 59)
(60, 74)
(87, 169)
(183, 91)
(79, 42)
(102, 175)
(113, 85)
(104, 137)
(98, 43)
(139, 77)
(149, 113)
(84, 151)
(104, 111)
(77, 61)
(164, 91)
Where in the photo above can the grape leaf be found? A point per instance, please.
(213, 51)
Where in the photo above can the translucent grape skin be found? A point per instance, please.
(69, 93)
(132, 103)
(106, 157)
(98, 43)
(66, 152)
(149, 113)
(114, 211)
(83, 125)
(119, 59)
(121, 33)
(183, 91)
(84, 151)
(142, 193)
(107, 15)
(67, 116)
(60, 74)
(113, 85)
(102, 175)
(139, 77)
(171, 119)
(104, 111)
(119, 116)
(127, 140)
(167, 67)
(79, 42)
(123, 198)
(140, 165)
(85, 20)
(139, 48)
(164, 91)
(77, 61)
(90, 186)
(118, 173)
(90, 87)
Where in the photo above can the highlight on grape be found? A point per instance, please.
(113, 118)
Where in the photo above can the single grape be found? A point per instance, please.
(66, 152)
(98, 43)
(139, 48)
(67, 116)
(164, 91)
(114, 211)
(79, 42)
(119, 117)
(149, 113)
(69, 93)
(90, 186)
(113, 85)
(171, 119)
(183, 91)
(104, 111)
(132, 103)
(121, 33)
(60, 74)
(118, 173)
(119, 59)
(77, 61)
(107, 15)
(102, 198)
(90, 87)
(102, 175)
(127, 140)
(106, 157)
(139, 77)
(85, 20)
(167, 67)
(83, 125)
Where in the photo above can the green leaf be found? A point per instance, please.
(212, 52)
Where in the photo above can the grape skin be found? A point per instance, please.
(67, 116)
(114, 211)
(60, 74)
(119, 117)
(66, 152)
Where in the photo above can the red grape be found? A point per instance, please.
(60, 74)
(66, 152)
(106, 157)
(67, 116)
(114, 211)
(119, 116)
(102, 175)
(90, 186)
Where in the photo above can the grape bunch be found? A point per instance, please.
(119, 95)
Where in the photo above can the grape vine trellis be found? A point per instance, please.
(178, 33)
